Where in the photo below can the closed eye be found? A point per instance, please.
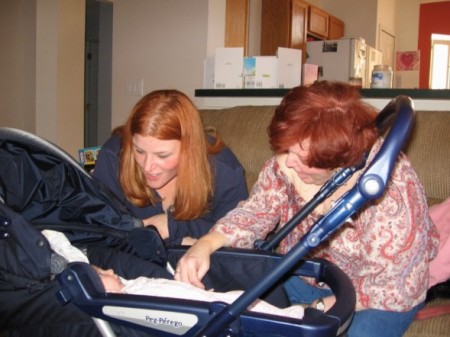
(139, 150)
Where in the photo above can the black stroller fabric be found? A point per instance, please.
(49, 188)
(42, 187)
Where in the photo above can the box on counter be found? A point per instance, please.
(289, 73)
(310, 73)
(228, 68)
(260, 72)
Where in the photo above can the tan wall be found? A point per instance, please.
(162, 43)
(42, 67)
(17, 64)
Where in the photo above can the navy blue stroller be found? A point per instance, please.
(260, 272)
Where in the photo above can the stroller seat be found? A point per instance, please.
(179, 317)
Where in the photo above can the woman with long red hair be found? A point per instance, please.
(167, 171)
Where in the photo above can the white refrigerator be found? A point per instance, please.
(339, 60)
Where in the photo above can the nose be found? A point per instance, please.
(111, 273)
(292, 161)
(149, 163)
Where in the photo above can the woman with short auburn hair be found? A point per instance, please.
(333, 142)
(385, 247)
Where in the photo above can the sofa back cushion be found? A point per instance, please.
(428, 148)
(244, 130)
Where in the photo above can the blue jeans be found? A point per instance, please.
(366, 323)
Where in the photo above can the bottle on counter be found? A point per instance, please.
(381, 76)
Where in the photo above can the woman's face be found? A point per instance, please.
(158, 159)
(295, 160)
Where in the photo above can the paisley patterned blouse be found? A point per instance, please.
(385, 250)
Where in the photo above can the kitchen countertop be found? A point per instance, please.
(369, 93)
(424, 99)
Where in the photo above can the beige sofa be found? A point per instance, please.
(243, 129)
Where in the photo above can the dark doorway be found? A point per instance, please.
(98, 72)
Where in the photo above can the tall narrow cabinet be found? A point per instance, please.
(284, 23)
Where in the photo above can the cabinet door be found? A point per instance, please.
(299, 25)
(318, 22)
(275, 23)
(336, 28)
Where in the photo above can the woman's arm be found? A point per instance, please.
(194, 264)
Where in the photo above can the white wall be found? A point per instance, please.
(17, 64)
(162, 43)
(42, 67)
(216, 25)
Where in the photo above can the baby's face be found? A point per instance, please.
(110, 280)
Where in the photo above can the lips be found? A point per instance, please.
(152, 177)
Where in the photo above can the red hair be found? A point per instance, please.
(169, 115)
(332, 116)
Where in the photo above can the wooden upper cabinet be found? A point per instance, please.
(236, 24)
(299, 24)
(288, 23)
(318, 22)
(336, 28)
(283, 24)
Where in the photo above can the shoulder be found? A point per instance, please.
(225, 159)
(403, 171)
(271, 176)
(112, 144)
(110, 149)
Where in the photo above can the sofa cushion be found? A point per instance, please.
(428, 149)
(244, 130)
(438, 326)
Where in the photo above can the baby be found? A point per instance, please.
(160, 287)
(176, 289)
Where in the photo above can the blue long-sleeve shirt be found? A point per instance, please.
(230, 188)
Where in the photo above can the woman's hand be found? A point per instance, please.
(194, 264)
(188, 241)
(160, 221)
